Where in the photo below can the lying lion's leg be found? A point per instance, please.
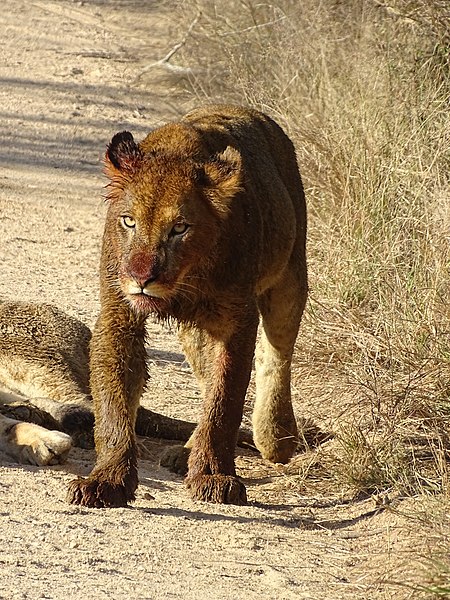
(78, 421)
(18, 407)
(74, 418)
(212, 475)
(274, 425)
(156, 425)
(32, 444)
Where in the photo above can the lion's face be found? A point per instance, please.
(162, 233)
(164, 220)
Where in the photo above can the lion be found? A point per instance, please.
(206, 227)
(44, 378)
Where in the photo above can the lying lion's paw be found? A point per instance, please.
(32, 444)
(222, 489)
(175, 459)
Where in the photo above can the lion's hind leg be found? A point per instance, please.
(175, 458)
(281, 307)
(29, 443)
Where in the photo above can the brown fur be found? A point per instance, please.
(206, 224)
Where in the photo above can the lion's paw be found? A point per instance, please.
(32, 444)
(222, 489)
(94, 493)
(175, 459)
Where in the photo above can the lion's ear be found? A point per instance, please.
(122, 155)
(224, 178)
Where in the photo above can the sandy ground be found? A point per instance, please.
(68, 82)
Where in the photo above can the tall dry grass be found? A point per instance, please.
(362, 87)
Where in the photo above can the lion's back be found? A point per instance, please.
(273, 185)
(40, 324)
(268, 153)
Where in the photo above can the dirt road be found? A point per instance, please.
(69, 80)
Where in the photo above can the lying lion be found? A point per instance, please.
(44, 378)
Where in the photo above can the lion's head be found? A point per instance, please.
(167, 203)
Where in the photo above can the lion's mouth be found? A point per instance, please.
(154, 297)
(154, 289)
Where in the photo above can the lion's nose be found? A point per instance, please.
(144, 268)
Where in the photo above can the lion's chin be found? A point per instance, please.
(145, 305)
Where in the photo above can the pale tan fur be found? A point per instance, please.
(44, 380)
(32, 444)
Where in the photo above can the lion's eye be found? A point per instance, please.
(127, 222)
(179, 228)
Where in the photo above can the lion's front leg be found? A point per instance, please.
(112, 483)
(118, 374)
(211, 469)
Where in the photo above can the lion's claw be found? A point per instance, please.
(98, 494)
(222, 489)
